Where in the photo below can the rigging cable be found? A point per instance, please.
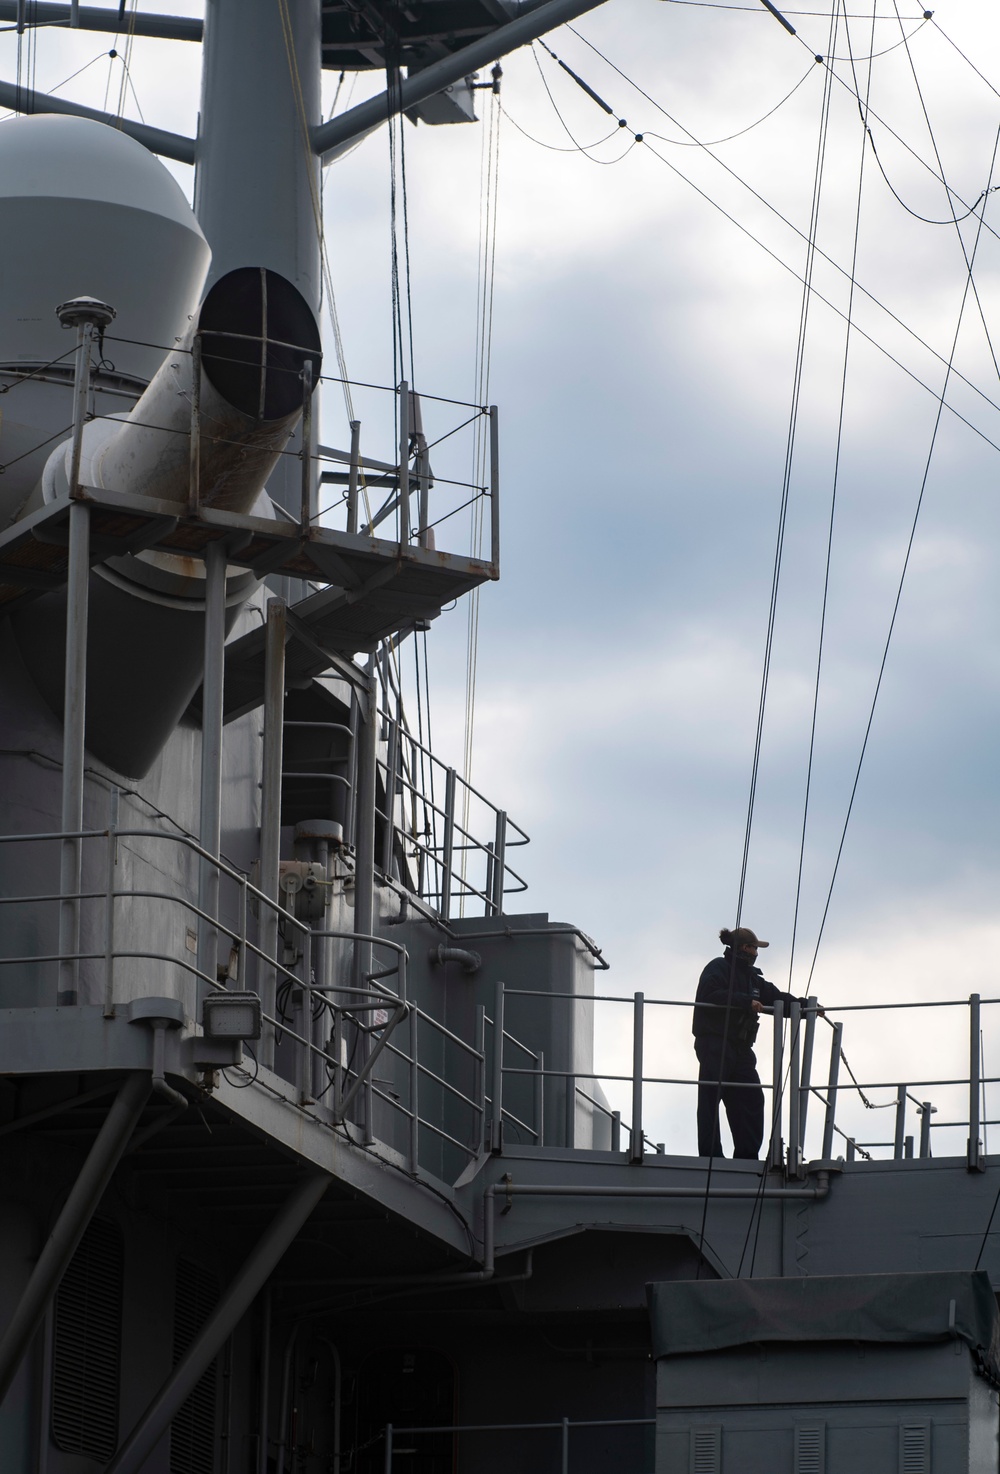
(899, 589)
(817, 194)
(316, 201)
(745, 230)
(486, 279)
(830, 526)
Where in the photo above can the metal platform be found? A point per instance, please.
(374, 588)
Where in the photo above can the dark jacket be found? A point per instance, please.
(747, 983)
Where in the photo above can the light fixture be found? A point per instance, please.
(231, 1016)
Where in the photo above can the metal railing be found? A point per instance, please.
(791, 1086)
(434, 836)
(564, 1428)
(321, 1033)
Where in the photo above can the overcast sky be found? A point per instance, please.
(644, 349)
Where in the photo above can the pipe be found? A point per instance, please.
(567, 1190)
(157, 140)
(185, 1376)
(286, 1377)
(70, 1226)
(159, 1081)
(256, 332)
(103, 18)
(441, 74)
(265, 1382)
(440, 955)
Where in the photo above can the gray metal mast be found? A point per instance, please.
(261, 87)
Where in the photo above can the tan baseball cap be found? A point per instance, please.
(744, 937)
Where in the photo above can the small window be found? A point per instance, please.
(86, 1345)
(192, 1432)
(706, 1450)
(915, 1448)
(810, 1448)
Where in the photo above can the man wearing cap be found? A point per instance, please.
(731, 993)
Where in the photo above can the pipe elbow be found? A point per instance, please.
(470, 962)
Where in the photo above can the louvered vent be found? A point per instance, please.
(915, 1448)
(810, 1448)
(86, 1350)
(192, 1433)
(706, 1450)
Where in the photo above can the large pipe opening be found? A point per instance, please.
(257, 334)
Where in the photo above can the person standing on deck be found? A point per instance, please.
(732, 991)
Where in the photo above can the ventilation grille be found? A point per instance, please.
(915, 1448)
(706, 1450)
(810, 1449)
(192, 1432)
(86, 1351)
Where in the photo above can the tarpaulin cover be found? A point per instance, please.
(710, 1315)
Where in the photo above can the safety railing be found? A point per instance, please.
(632, 1450)
(427, 802)
(326, 1028)
(331, 1024)
(792, 1086)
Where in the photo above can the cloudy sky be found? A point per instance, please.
(644, 356)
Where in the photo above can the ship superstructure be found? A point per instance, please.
(307, 1165)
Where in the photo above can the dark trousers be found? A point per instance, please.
(736, 1067)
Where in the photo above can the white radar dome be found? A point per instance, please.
(85, 210)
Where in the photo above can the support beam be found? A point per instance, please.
(71, 1224)
(102, 18)
(270, 808)
(328, 137)
(236, 1301)
(210, 821)
(157, 140)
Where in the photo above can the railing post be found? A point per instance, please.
(900, 1131)
(975, 1151)
(794, 1097)
(777, 1064)
(540, 1098)
(275, 636)
(194, 444)
(570, 1111)
(388, 1448)
(480, 1095)
(926, 1111)
(352, 484)
(807, 1056)
(635, 1145)
(496, 1102)
(414, 1095)
(305, 430)
(391, 763)
(831, 1092)
(404, 464)
(109, 903)
(74, 726)
(616, 1131)
(494, 491)
(449, 843)
(209, 830)
(499, 853)
(88, 317)
(565, 1446)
